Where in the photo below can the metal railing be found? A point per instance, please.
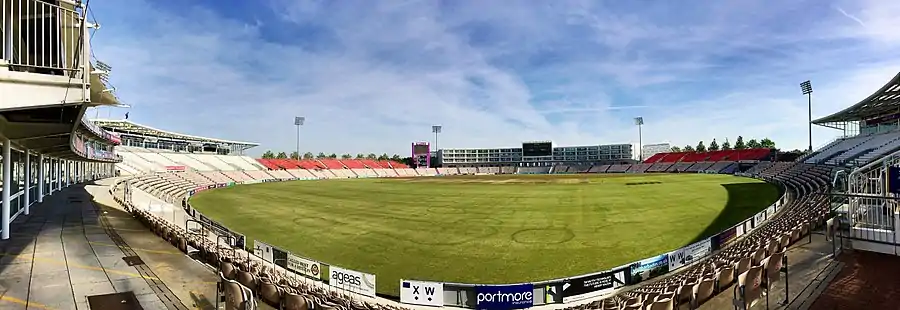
(869, 207)
(40, 37)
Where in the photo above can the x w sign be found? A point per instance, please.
(422, 293)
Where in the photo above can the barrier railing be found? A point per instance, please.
(563, 290)
(40, 37)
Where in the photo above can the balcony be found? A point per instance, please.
(44, 54)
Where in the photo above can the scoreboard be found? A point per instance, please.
(421, 154)
(539, 148)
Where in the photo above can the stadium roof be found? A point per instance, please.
(128, 126)
(885, 100)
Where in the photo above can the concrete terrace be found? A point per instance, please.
(76, 244)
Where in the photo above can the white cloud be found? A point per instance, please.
(375, 77)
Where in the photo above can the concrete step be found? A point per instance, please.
(818, 285)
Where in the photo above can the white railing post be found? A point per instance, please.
(42, 178)
(7, 169)
(27, 194)
(59, 174)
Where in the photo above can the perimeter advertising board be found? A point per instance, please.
(759, 219)
(352, 280)
(689, 254)
(422, 293)
(649, 268)
(724, 238)
(304, 266)
(504, 297)
(594, 285)
(263, 250)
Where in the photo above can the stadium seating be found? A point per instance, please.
(756, 254)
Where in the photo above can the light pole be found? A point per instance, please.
(298, 121)
(436, 129)
(807, 90)
(639, 121)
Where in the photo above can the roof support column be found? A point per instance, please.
(27, 193)
(42, 178)
(7, 172)
(68, 173)
(59, 174)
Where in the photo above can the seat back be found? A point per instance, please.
(703, 291)
(295, 302)
(750, 284)
(663, 304)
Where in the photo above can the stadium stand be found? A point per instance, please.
(746, 267)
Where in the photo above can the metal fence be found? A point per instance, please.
(868, 209)
(40, 37)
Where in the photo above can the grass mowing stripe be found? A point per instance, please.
(487, 229)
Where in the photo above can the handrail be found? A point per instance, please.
(42, 38)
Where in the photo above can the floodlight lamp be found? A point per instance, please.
(806, 87)
(436, 129)
(298, 121)
(639, 121)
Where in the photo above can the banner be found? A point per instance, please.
(593, 285)
(351, 280)
(770, 212)
(689, 254)
(649, 268)
(759, 219)
(422, 293)
(304, 266)
(503, 297)
(263, 250)
(726, 237)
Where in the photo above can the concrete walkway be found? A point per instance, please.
(76, 245)
(810, 266)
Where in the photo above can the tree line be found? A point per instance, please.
(309, 155)
(738, 145)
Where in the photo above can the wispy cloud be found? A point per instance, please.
(374, 76)
(848, 15)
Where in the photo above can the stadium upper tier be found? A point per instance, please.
(857, 150)
(711, 156)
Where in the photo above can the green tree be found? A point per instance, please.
(700, 147)
(371, 156)
(384, 156)
(360, 156)
(396, 158)
(766, 143)
(739, 143)
(713, 146)
(295, 155)
(281, 155)
(308, 155)
(346, 156)
(268, 155)
(320, 155)
(675, 149)
(687, 148)
(332, 156)
(726, 146)
(753, 144)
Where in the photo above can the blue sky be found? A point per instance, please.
(373, 76)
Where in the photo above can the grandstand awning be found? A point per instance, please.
(127, 126)
(884, 101)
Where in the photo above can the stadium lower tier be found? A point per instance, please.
(751, 262)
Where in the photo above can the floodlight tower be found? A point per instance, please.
(436, 129)
(806, 87)
(639, 121)
(298, 121)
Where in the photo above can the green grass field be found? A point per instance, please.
(486, 229)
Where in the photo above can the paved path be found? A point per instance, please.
(809, 265)
(868, 281)
(72, 246)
